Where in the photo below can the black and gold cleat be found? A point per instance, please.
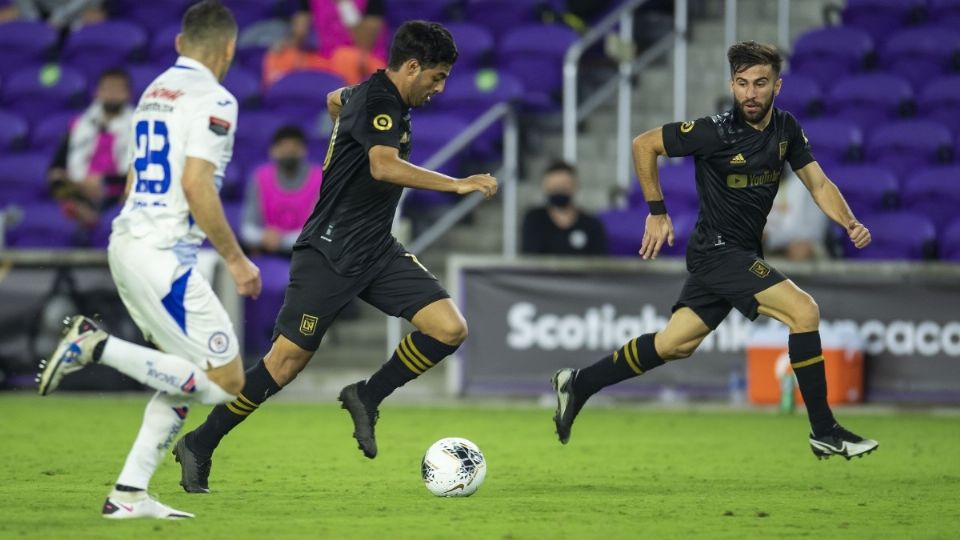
(364, 420)
(840, 442)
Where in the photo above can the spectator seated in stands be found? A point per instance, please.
(60, 14)
(796, 228)
(351, 40)
(560, 228)
(281, 194)
(89, 170)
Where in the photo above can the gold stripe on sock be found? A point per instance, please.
(416, 352)
(616, 355)
(631, 359)
(237, 411)
(243, 399)
(403, 358)
(805, 363)
(242, 406)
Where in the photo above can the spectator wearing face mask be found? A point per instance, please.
(89, 170)
(281, 194)
(560, 228)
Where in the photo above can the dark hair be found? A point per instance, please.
(118, 73)
(747, 54)
(560, 165)
(207, 22)
(426, 42)
(288, 131)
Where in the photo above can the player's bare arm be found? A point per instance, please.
(205, 206)
(387, 166)
(832, 203)
(334, 104)
(658, 228)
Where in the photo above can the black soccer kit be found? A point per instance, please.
(738, 171)
(346, 249)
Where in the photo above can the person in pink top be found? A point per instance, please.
(281, 194)
(352, 40)
(89, 170)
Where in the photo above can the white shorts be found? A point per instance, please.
(171, 302)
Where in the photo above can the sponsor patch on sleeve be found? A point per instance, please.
(219, 126)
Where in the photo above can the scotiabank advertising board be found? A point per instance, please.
(527, 321)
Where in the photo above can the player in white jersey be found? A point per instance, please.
(183, 128)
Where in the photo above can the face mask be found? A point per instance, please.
(288, 165)
(113, 107)
(559, 200)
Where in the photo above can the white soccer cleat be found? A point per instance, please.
(135, 505)
(73, 352)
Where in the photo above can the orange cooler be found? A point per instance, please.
(767, 360)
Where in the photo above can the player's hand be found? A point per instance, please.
(859, 235)
(246, 275)
(484, 183)
(658, 229)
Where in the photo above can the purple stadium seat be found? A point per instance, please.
(23, 43)
(500, 16)
(44, 225)
(260, 314)
(251, 57)
(870, 99)
(234, 182)
(940, 100)
(46, 136)
(100, 236)
(109, 44)
(880, 17)
(934, 193)
(154, 14)
(234, 214)
(474, 44)
(679, 189)
(254, 133)
(162, 49)
(248, 12)
(302, 94)
(470, 94)
(141, 75)
(13, 132)
(431, 132)
(908, 145)
(946, 12)
(23, 177)
(244, 86)
(800, 95)
(950, 242)
(867, 188)
(828, 53)
(624, 230)
(920, 54)
(399, 11)
(896, 236)
(35, 92)
(418, 201)
(534, 54)
(833, 141)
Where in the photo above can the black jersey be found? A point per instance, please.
(738, 172)
(351, 222)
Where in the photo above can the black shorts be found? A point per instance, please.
(397, 285)
(732, 280)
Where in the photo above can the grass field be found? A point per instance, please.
(292, 471)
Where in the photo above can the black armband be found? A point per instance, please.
(657, 208)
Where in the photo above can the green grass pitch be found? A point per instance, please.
(293, 471)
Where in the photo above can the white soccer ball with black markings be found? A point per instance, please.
(453, 467)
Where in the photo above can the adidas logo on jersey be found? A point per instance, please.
(738, 160)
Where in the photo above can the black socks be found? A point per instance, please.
(636, 357)
(806, 358)
(416, 353)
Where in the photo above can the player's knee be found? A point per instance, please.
(233, 385)
(806, 315)
(450, 331)
(679, 351)
(284, 368)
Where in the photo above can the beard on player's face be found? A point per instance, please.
(754, 109)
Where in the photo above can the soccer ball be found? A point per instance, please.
(453, 467)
